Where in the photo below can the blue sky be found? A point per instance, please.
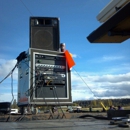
(104, 67)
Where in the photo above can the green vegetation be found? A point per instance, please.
(14, 104)
(106, 102)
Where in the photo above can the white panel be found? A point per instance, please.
(110, 9)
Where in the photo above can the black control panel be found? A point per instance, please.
(50, 70)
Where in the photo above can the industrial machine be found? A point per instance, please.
(43, 78)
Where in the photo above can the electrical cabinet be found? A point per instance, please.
(44, 78)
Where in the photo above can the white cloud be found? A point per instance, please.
(112, 58)
(2, 61)
(6, 66)
(111, 78)
(84, 85)
(7, 85)
(121, 67)
(7, 97)
(81, 95)
(102, 86)
(107, 59)
(74, 55)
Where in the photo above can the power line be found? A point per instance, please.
(26, 7)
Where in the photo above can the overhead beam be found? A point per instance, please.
(120, 22)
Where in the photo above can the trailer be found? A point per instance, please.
(43, 79)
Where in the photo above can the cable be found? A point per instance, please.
(9, 73)
(58, 102)
(32, 89)
(12, 87)
(91, 91)
(12, 96)
(26, 7)
(85, 83)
